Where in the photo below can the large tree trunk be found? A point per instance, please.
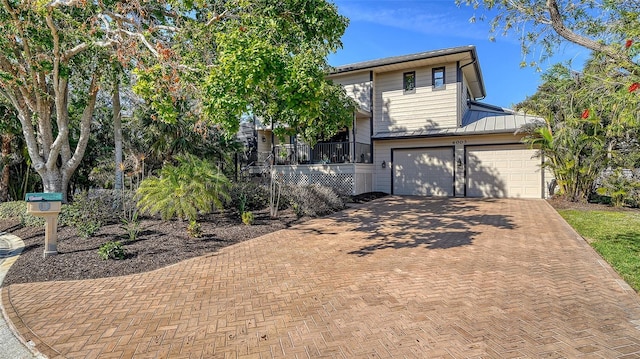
(52, 181)
(40, 94)
(50, 153)
(4, 161)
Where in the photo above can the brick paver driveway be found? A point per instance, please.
(399, 277)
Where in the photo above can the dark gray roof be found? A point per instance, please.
(404, 58)
(481, 119)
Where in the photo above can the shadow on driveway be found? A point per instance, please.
(406, 222)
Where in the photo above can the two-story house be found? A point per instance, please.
(419, 130)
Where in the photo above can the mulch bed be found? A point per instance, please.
(562, 203)
(159, 244)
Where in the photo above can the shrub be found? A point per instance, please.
(194, 229)
(247, 218)
(131, 226)
(89, 211)
(622, 188)
(252, 195)
(193, 186)
(313, 200)
(97, 206)
(28, 220)
(18, 210)
(15, 209)
(112, 250)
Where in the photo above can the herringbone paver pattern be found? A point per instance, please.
(399, 277)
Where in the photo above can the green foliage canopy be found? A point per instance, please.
(260, 57)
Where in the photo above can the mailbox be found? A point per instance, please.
(43, 203)
(47, 206)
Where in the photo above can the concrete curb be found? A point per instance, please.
(11, 343)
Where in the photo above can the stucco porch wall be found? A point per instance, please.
(345, 178)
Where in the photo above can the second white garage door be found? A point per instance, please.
(423, 172)
(503, 171)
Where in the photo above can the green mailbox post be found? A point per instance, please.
(47, 206)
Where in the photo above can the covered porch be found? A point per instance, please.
(351, 145)
(321, 153)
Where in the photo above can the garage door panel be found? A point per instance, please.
(503, 171)
(423, 172)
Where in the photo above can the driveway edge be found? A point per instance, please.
(601, 261)
(12, 342)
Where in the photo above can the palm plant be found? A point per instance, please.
(574, 151)
(193, 185)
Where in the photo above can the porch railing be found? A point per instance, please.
(325, 152)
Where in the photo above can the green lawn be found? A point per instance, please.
(615, 235)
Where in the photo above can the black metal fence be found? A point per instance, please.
(326, 152)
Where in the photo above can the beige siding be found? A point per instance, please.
(426, 108)
(363, 178)
(266, 145)
(382, 152)
(358, 87)
(463, 106)
(363, 130)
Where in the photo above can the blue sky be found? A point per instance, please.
(383, 28)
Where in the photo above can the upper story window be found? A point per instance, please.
(409, 82)
(437, 77)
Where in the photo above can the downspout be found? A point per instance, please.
(473, 61)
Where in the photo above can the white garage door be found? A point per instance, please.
(423, 172)
(503, 171)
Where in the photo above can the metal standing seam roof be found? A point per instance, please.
(475, 122)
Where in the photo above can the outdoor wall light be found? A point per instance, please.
(264, 139)
(384, 164)
(459, 162)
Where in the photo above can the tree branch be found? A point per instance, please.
(85, 127)
(84, 46)
(216, 17)
(56, 52)
(142, 39)
(27, 57)
(24, 116)
(58, 3)
(558, 25)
